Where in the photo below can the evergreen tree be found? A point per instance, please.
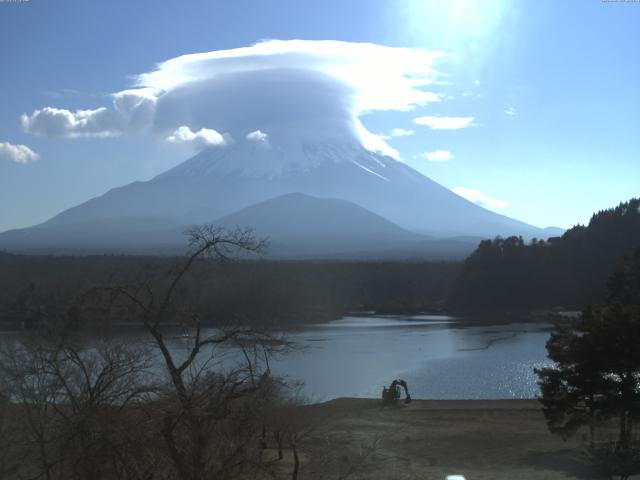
(595, 382)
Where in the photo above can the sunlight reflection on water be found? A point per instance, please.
(440, 357)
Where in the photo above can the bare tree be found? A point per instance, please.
(111, 410)
(68, 402)
(215, 382)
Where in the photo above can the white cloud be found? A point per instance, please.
(381, 137)
(444, 123)
(401, 132)
(438, 156)
(136, 108)
(17, 153)
(480, 198)
(56, 122)
(205, 137)
(258, 136)
(381, 77)
(373, 142)
(510, 111)
(133, 110)
(314, 87)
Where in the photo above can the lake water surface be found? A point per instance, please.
(440, 357)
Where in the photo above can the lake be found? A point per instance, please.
(440, 357)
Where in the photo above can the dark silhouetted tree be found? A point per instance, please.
(595, 382)
(597, 372)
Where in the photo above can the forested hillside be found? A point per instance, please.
(569, 271)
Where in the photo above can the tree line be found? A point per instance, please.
(569, 271)
(248, 291)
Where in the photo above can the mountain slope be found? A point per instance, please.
(227, 179)
(218, 182)
(299, 226)
(296, 216)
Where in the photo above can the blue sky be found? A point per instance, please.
(551, 88)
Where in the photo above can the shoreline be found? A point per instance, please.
(429, 404)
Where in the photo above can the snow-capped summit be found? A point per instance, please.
(275, 157)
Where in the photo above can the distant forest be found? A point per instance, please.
(569, 271)
(33, 288)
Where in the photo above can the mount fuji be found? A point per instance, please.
(381, 203)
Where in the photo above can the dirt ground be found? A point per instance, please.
(482, 440)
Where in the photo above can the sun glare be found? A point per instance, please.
(457, 23)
